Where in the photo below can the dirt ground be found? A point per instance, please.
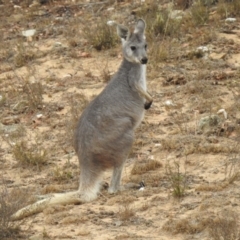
(186, 150)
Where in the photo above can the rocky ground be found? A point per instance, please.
(186, 150)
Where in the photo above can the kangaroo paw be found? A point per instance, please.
(147, 105)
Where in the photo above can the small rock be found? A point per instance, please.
(218, 55)
(169, 103)
(223, 111)
(111, 23)
(34, 4)
(59, 19)
(118, 223)
(110, 9)
(17, 7)
(29, 33)
(230, 20)
(205, 123)
(84, 54)
(67, 76)
(203, 49)
(39, 115)
(176, 14)
(57, 44)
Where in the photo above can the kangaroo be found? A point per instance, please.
(105, 131)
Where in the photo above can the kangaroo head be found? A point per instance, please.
(134, 43)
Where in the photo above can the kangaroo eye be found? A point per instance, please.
(133, 48)
(145, 46)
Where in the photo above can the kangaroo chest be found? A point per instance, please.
(142, 79)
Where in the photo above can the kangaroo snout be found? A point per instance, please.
(144, 60)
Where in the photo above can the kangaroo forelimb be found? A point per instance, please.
(145, 95)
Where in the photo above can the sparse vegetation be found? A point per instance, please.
(29, 154)
(23, 56)
(10, 202)
(126, 212)
(143, 166)
(106, 75)
(100, 35)
(186, 225)
(33, 92)
(199, 14)
(62, 174)
(177, 179)
(225, 226)
(228, 8)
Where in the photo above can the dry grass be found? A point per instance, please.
(228, 8)
(145, 207)
(212, 187)
(199, 14)
(232, 163)
(10, 202)
(33, 92)
(29, 154)
(177, 179)
(159, 52)
(61, 174)
(189, 144)
(159, 21)
(105, 73)
(23, 56)
(225, 226)
(187, 225)
(100, 36)
(144, 166)
(126, 212)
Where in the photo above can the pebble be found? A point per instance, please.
(230, 20)
(29, 32)
(203, 49)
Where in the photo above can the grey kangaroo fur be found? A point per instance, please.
(105, 131)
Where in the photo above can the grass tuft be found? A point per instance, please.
(143, 166)
(10, 202)
(126, 212)
(225, 226)
(177, 179)
(100, 36)
(199, 14)
(29, 154)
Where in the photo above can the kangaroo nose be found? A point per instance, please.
(144, 60)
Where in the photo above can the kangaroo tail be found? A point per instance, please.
(39, 206)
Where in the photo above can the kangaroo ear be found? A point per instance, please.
(140, 26)
(122, 31)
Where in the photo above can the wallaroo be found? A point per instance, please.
(105, 131)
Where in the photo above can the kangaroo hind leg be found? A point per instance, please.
(90, 184)
(116, 178)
